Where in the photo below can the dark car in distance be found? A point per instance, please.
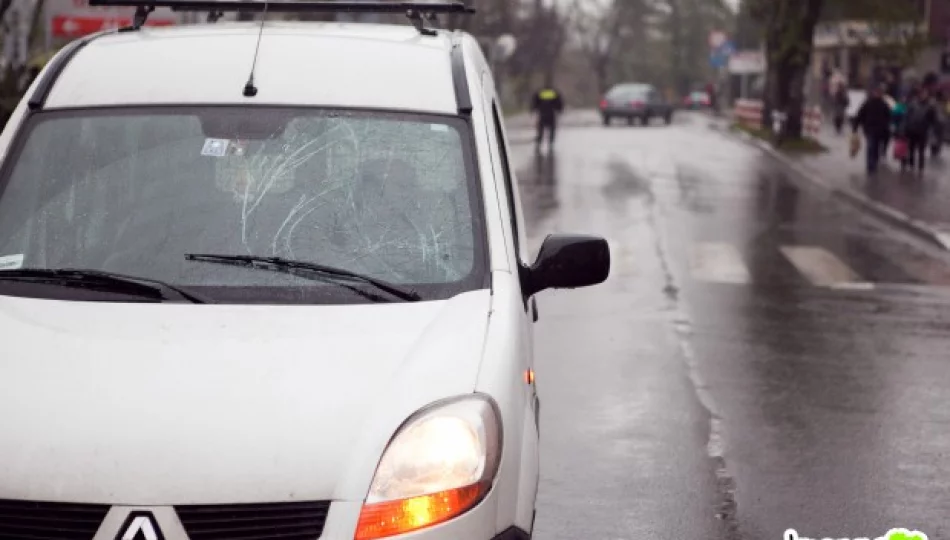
(635, 101)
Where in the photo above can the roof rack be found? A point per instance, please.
(417, 12)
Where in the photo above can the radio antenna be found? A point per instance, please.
(249, 89)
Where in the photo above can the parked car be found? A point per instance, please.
(697, 100)
(295, 304)
(635, 101)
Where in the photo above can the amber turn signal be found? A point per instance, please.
(380, 520)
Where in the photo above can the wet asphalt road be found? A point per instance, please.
(762, 357)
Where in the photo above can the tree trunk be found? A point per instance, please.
(4, 7)
(601, 67)
(789, 41)
(36, 26)
(677, 47)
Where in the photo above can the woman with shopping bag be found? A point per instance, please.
(901, 149)
(901, 144)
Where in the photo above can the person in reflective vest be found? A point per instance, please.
(548, 104)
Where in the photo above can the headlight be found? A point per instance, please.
(440, 464)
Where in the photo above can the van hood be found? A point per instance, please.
(154, 404)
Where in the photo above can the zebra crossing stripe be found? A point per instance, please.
(855, 286)
(718, 263)
(822, 268)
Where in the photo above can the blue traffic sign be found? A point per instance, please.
(719, 57)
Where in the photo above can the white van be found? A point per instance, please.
(283, 301)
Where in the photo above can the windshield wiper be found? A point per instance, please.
(306, 270)
(109, 281)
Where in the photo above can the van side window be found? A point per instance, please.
(509, 186)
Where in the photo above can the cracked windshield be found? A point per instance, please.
(475, 270)
(141, 192)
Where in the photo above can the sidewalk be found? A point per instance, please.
(919, 205)
(921, 202)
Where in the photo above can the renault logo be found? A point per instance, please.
(140, 525)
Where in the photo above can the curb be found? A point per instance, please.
(897, 218)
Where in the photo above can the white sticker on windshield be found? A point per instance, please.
(215, 147)
(439, 127)
(11, 262)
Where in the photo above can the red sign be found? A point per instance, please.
(64, 26)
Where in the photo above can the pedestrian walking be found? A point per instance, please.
(874, 118)
(898, 113)
(841, 104)
(940, 125)
(713, 98)
(548, 104)
(918, 124)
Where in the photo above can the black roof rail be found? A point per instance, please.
(55, 68)
(417, 12)
(463, 97)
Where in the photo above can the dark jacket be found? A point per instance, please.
(875, 117)
(921, 117)
(548, 103)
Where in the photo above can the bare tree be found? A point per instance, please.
(688, 23)
(598, 26)
(658, 41)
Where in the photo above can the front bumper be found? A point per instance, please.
(480, 523)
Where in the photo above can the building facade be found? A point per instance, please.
(860, 51)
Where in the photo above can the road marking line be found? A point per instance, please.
(856, 286)
(822, 268)
(943, 236)
(718, 263)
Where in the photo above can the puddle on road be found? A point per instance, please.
(690, 182)
(538, 183)
(627, 182)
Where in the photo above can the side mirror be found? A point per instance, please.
(568, 262)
